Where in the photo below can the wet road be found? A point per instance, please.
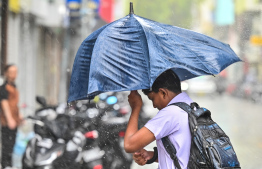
(241, 120)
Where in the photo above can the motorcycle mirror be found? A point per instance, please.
(41, 100)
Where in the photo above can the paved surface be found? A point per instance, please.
(241, 120)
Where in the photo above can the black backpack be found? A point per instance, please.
(210, 146)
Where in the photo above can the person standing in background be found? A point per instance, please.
(9, 114)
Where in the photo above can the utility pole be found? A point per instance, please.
(4, 18)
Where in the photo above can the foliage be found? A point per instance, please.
(172, 12)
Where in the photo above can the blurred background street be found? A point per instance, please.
(42, 37)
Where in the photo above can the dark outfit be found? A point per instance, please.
(8, 92)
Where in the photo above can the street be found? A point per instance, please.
(241, 121)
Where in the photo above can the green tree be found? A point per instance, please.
(172, 12)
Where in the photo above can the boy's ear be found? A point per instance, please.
(163, 92)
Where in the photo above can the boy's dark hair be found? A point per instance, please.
(168, 80)
(7, 67)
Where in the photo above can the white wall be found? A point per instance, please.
(22, 41)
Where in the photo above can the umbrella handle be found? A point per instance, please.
(131, 8)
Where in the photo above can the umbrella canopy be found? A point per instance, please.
(130, 53)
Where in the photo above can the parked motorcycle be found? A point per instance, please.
(61, 141)
(109, 115)
(88, 135)
(111, 122)
(91, 153)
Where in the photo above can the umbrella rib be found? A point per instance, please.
(147, 47)
(118, 38)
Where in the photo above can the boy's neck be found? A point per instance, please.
(172, 95)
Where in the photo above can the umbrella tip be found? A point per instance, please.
(131, 8)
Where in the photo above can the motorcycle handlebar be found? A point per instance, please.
(36, 121)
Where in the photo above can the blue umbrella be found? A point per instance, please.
(130, 53)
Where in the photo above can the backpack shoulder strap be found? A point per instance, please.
(171, 150)
(184, 106)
